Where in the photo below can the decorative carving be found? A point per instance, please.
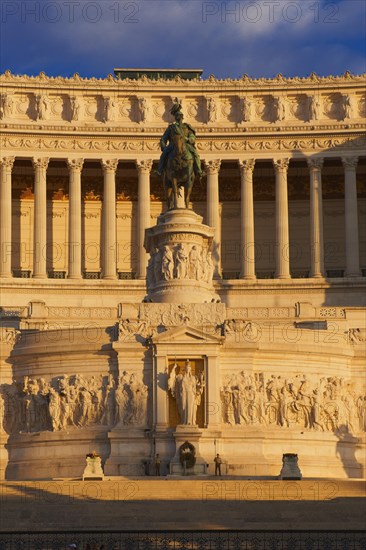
(129, 330)
(356, 335)
(131, 400)
(73, 401)
(40, 163)
(109, 109)
(75, 164)
(187, 389)
(246, 165)
(348, 107)
(315, 163)
(246, 109)
(6, 106)
(75, 108)
(211, 109)
(9, 335)
(315, 107)
(281, 165)
(181, 262)
(280, 108)
(41, 107)
(326, 404)
(350, 162)
(174, 315)
(7, 162)
(109, 164)
(144, 165)
(213, 166)
(143, 109)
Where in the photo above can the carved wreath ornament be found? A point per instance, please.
(187, 454)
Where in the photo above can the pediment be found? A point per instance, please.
(186, 334)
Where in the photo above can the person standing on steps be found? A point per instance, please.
(157, 465)
(218, 462)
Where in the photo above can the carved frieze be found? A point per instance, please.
(74, 401)
(323, 404)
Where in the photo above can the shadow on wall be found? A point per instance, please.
(346, 449)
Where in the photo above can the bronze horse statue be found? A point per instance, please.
(178, 172)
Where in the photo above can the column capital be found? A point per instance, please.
(281, 164)
(109, 165)
(350, 162)
(75, 164)
(7, 162)
(213, 166)
(41, 162)
(315, 163)
(143, 165)
(247, 164)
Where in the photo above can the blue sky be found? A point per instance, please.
(227, 39)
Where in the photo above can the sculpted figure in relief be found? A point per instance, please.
(6, 106)
(41, 107)
(280, 104)
(167, 263)
(211, 110)
(109, 109)
(75, 108)
(329, 404)
(314, 108)
(143, 109)
(247, 109)
(181, 259)
(194, 262)
(347, 106)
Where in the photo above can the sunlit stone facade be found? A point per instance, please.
(283, 353)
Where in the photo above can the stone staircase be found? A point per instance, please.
(210, 503)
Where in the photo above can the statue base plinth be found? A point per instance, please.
(290, 468)
(93, 469)
(180, 268)
(192, 435)
(129, 449)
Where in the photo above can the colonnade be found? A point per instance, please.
(109, 237)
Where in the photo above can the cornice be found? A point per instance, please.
(211, 82)
(305, 129)
(225, 145)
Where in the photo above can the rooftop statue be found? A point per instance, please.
(179, 162)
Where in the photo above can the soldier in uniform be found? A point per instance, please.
(190, 137)
(218, 462)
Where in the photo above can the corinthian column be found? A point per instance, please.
(40, 218)
(109, 256)
(213, 212)
(6, 166)
(74, 266)
(282, 234)
(351, 217)
(247, 257)
(143, 169)
(316, 218)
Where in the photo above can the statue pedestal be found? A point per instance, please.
(290, 468)
(192, 435)
(93, 469)
(129, 449)
(180, 268)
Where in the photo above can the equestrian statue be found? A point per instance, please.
(179, 162)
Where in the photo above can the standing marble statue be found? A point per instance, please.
(246, 109)
(187, 390)
(74, 107)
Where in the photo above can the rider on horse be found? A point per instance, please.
(182, 128)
